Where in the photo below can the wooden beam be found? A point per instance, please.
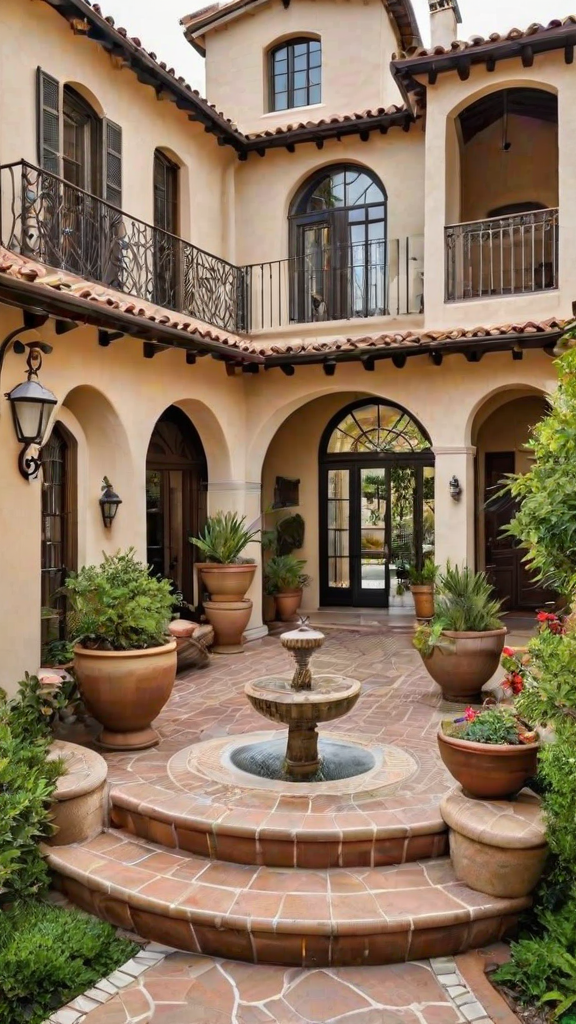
(474, 355)
(569, 53)
(436, 358)
(491, 64)
(527, 56)
(329, 367)
(190, 358)
(368, 362)
(399, 360)
(64, 326)
(464, 70)
(432, 77)
(105, 338)
(149, 349)
(288, 369)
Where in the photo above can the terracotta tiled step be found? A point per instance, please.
(288, 834)
(270, 915)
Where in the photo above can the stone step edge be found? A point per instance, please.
(246, 922)
(121, 797)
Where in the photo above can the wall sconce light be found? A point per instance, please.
(455, 489)
(109, 503)
(31, 405)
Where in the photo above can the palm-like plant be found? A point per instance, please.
(465, 602)
(285, 573)
(224, 538)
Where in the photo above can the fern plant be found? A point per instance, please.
(224, 538)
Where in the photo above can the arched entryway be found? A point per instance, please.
(176, 478)
(376, 503)
(59, 529)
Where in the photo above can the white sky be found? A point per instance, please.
(155, 22)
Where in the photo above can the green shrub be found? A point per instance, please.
(427, 575)
(119, 606)
(492, 725)
(463, 603)
(225, 537)
(48, 956)
(284, 572)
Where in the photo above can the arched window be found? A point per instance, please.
(82, 142)
(338, 246)
(296, 74)
(376, 503)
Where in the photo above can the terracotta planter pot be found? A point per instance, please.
(423, 595)
(465, 664)
(488, 771)
(287, 604)
(125, 691)
(229, 619)
(226, 582)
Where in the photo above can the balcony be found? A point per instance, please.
(511, 255)
(46, 218)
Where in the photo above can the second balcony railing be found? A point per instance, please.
(508, 255)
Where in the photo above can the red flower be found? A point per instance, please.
(470, 714)
(508, 652)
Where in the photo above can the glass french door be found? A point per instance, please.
(377, 520)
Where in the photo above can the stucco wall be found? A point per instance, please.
(32, 34)
(357, 43)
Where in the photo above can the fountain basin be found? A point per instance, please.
(329, 698)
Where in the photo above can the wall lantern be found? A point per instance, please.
(455, 489)
(32, 405)
(109, 503)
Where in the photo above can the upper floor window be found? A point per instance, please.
(296, 74)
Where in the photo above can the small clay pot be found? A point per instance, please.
(125, 691)
(488, 771)
(423, 595)
(287, 604)
(226, 582)
(464, 663)
(229, 619)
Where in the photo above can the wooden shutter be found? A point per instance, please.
(48, 121)
(112, 157)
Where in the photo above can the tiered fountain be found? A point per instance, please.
(302, 703)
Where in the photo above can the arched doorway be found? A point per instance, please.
(176, 478)
(59, 529)
(338, 246)
(376, 503)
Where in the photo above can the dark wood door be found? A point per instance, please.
(166, 244)
(513, 583)
(58, 546)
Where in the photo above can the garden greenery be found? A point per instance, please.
(543, 964)
(426, 576)
(224, 538)
(119, 606)
(284, 573)
(463, 603)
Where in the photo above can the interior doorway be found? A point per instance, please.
(176, 479)
(376, 503)
(59, 530)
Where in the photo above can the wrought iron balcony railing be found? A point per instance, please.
(48, 219)
(509, 255)
(337, 282)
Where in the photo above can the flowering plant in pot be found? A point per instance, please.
(124, 658)
(285, 579)
(462, 643)
(422, 582)
(491, 752)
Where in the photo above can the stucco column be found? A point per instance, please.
(454, 519)
(245, 498)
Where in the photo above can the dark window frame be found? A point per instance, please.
(289, 45)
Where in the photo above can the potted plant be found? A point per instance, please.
(284, 578)
(227, 577)
(225, 574)
(462, 643)
(491, 753)
(422, 587)
(124, 659)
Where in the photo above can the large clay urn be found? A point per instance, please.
(423, 595)
(464, 662)
(287, 604)
(125, 691)
(488, 771)
(229, 620)
(226, 582)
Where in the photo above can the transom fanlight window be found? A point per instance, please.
(376, 429)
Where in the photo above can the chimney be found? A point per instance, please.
(444, 18)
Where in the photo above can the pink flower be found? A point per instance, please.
(470, 714)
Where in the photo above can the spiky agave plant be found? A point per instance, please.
(224, 538)
(465, 601)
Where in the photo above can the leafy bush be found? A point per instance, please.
(463, 603)
(285, 537)
(284, 572)
(119, 605)
(57, 652)
(225, 537)
(425, 576)
(27, 782)
(48, 956)
(493, 725)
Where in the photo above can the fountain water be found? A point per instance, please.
(302, 703)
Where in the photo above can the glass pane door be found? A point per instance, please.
(372, 575)
(338, 547)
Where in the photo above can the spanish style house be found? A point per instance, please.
(335, 286)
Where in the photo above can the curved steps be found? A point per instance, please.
(309, 918)
(290, 832)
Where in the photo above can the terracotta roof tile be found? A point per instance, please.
(333, 119)
(513, 35)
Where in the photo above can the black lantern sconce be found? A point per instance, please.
(455, 489)
(109, 503)
(32, 406)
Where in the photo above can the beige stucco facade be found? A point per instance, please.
(257, 426)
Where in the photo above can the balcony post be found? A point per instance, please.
(454, 520)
